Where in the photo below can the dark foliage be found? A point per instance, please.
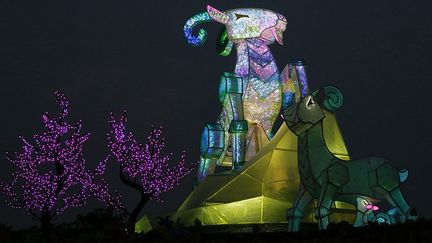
(105, 226)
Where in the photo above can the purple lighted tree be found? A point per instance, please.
(143, 166)
(51, 174)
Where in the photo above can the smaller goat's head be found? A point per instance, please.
(308, 110)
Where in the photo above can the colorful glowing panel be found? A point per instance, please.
(265, 187)
(254, 91)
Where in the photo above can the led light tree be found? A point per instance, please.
(51, 174)
(144, 167)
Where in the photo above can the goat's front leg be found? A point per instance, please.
(322, 213)
(332, 179)
(296, 213)
(211, 148)
(231, 95)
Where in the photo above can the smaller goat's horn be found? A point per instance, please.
(330, 97)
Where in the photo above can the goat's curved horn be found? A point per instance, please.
(330, 97)
(212, 14)
(198, 40)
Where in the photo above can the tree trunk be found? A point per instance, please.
(46, 226)
(134, 215)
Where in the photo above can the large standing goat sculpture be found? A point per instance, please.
(327, 178)
(254, 93)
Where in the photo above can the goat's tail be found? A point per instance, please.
(403, 175)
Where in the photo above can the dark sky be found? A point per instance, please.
(114, 55)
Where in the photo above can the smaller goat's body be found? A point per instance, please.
(360, 174)
(351, 177)
(327, 178)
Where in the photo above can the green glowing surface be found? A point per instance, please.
(143, 225)
(263, 190)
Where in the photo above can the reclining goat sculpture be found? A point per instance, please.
(328, 178)
(251, 96)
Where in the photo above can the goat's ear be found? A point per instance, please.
(319, 96)
(217, 15)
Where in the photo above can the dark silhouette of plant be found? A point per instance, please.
(98, 224)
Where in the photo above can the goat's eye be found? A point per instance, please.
(310, 102)
(239, 16)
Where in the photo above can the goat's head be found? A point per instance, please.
(241, 23)
(308, 110)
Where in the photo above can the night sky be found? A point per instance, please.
(114, 55)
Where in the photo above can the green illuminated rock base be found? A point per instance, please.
(264, 189)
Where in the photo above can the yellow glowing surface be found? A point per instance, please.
(143, 225)
(263, 190)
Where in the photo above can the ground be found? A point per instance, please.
(171, 232)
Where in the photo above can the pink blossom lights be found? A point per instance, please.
(144, 167)
(51, 174)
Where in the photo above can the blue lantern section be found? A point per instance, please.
(229, 84)
(287, 100)
(212, 141)
(298, 72)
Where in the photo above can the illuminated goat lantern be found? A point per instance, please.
(327, 178)
(254, 93)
